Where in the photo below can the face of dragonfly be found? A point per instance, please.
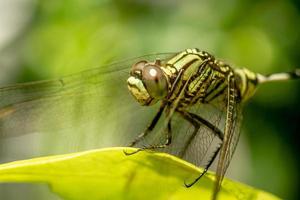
(148, 83)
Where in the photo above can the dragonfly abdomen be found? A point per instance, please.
(246, 82)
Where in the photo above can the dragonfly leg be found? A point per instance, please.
(205, 168)
(209, 125)
(196, 125)
(148, 129)
(196, 121)
(160, 146)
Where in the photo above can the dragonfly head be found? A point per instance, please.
(147, 82)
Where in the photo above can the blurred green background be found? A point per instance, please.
(42, 39)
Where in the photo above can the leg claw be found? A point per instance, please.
(130, 153)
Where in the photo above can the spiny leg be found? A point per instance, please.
(150, 127)
(196, 125)
(209, 125)
(196, 121)
(159, 146)
(205, 169)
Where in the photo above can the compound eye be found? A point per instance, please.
(138, 67)
(155, 81)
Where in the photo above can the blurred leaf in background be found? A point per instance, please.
(49, 39)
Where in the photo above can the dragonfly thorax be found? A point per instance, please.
(148, 83)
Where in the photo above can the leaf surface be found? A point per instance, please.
(109, 174)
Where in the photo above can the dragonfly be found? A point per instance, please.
(195, 77)
(198, 101)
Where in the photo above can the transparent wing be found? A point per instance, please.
(206, 141)
(93, 107)
(231, 133)
(199, 145)
(224, 113)
(202, 144)
(199, 150)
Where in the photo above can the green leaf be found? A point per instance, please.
(109, 174)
